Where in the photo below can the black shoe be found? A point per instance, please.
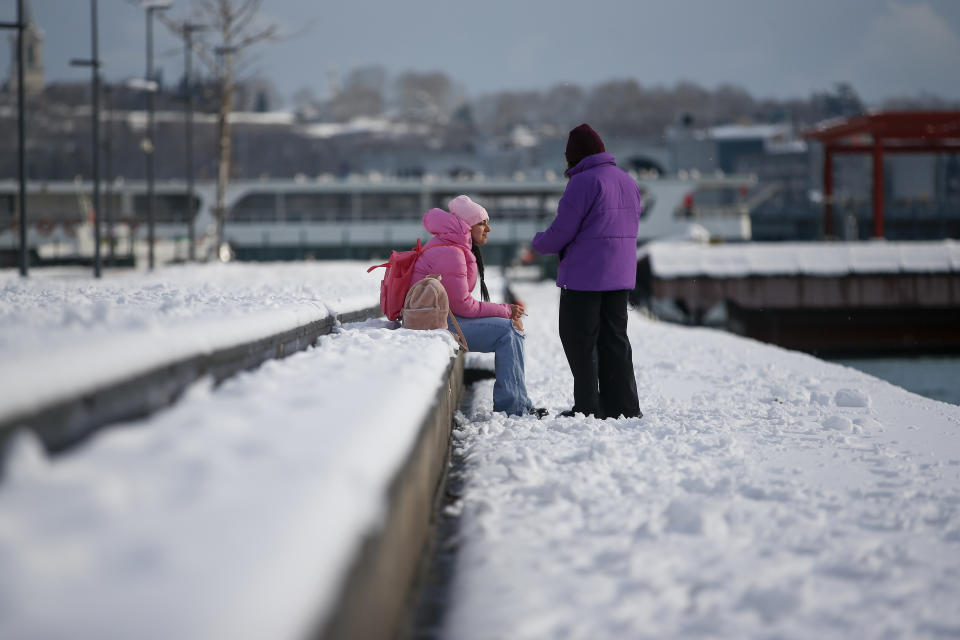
(569, 413)
(540, 412)
(638, 415)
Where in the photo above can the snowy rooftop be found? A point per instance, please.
(687, 259)
(363, 125)
(749, 131)
(137, 120)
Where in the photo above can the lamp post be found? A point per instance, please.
(188, 30)
(94, 64)
(21, 137)
(150, 8)
(108, 171)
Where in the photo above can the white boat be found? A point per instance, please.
(324, 218)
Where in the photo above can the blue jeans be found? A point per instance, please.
(498, 336)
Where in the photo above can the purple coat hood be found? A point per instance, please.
(595, 231)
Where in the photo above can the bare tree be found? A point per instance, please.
(235, 25)
(425, 97)
(362, 95)
(563, 106)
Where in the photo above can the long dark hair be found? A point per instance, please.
(484, 294)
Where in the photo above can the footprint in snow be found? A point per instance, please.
(820, 398)
(837, 423)
(851, 398)
(694, 518)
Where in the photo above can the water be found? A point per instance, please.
(936, 377)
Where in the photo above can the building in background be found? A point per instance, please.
(428, 131)
(33, 71)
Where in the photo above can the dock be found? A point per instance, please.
(829, 298)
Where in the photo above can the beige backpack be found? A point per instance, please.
(427, 307)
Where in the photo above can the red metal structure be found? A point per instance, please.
(877, 134)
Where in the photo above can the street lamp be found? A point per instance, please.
(188, 30)
(21, 110)
(94, 64)
(150, 8)
(108, 170)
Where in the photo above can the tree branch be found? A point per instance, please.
(244, 15)
(267, 33)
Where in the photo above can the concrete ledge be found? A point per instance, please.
(373, 597)
(61, 425)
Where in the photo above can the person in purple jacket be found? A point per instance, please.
(595, 236)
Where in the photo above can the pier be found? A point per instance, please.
(827, 298)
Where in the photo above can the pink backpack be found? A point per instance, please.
(427, 307)
(396, 279)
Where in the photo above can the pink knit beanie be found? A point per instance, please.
(467, 210)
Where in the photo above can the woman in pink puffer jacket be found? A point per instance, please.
(487, 326)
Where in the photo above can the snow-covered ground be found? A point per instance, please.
(62, 332)
(764, 494)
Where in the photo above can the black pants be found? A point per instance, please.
(593, 330)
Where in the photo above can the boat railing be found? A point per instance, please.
(711, 212)
(327, 216)
(743, 206)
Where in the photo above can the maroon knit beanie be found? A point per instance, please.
(583, 142)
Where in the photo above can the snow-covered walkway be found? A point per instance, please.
(764, 494)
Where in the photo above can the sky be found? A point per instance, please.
(772, 48)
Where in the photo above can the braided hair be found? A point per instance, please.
(484, 294)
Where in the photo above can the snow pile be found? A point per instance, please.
(62, 332)
(765, 493)
(231, 515)
(681, 260)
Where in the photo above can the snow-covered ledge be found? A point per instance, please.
(83, 404)
(291, 501)
(372, 599)
(79, 353)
